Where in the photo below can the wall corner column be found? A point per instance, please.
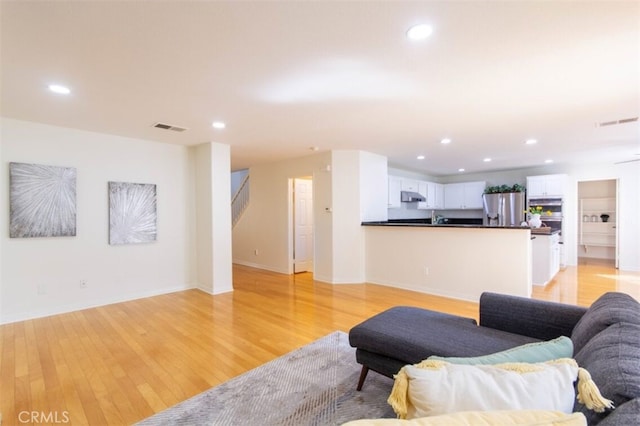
(213, 218)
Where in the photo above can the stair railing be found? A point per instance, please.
(240, 200)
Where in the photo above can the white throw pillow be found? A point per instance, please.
(449, 388)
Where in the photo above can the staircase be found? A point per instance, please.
(240, 201)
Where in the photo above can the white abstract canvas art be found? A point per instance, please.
(132, 213)
(42, 201)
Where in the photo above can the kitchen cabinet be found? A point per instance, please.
(424, 190)
(454, 196)
(593, 230)
(431, 191)
(549, 186)
(394, 187)
(433, 194)
(464, 195)
(409, 185)
(438, 191)
(545, 252)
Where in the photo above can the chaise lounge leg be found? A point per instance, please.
(363, 375)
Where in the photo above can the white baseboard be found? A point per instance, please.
(56, 310)
(426, 290)
(330, 280)
(260, 266)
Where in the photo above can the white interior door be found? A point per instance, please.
(303, 225)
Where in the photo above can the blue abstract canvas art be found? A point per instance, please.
(42, 201)
(132, 213)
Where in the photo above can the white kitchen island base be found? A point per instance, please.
(459, 262)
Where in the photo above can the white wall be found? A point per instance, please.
(348, 237)
(628, 175)
(373, 184)
(221, 218)
(113, 273)
(261, 238)
(461, 262)
(213, 218)
(347, 186)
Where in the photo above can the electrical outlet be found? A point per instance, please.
(255, 252)
(42, 289)
(426, 270)
(83, 283)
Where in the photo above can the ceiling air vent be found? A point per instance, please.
(614, 122)
(169, 127)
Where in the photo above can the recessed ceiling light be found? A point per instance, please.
(419, 32)
(531, 142)
(420, 157)
(314, 148)
(549, 161)
(218, 125)
(445, 141)
(59, 89)
(486, 160)
(461, 170)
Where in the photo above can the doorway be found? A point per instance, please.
(302, 205)
(597, 221)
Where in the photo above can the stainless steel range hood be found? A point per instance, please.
(410, 197)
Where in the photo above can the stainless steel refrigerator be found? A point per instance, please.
(504, 209)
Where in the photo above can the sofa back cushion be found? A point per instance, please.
(610, 308)
(624, 415)
(612, 358)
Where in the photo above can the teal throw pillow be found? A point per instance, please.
(562, 347)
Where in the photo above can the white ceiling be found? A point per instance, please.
(286, 76)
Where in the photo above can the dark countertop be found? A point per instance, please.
(422, 223)
(442, 221)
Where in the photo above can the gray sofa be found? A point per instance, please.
(606, 339)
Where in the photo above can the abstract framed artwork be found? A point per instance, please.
(132, 213)
(42, 201)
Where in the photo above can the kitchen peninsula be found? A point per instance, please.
(458, 261)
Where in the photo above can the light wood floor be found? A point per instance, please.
(118, 364)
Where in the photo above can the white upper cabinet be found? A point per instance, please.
(431, 191)
(551, 186)
(424, 190)
(454, 196)
(434, 196)
(465, 195)
(473, 194)
(409, 185)
(439, 195)
(394, 188)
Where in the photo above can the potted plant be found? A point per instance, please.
(501, 189)
(535, 212)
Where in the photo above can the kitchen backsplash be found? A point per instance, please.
(411, 211)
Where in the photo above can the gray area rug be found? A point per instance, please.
(312, 385)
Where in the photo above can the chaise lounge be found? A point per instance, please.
(606, 340)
